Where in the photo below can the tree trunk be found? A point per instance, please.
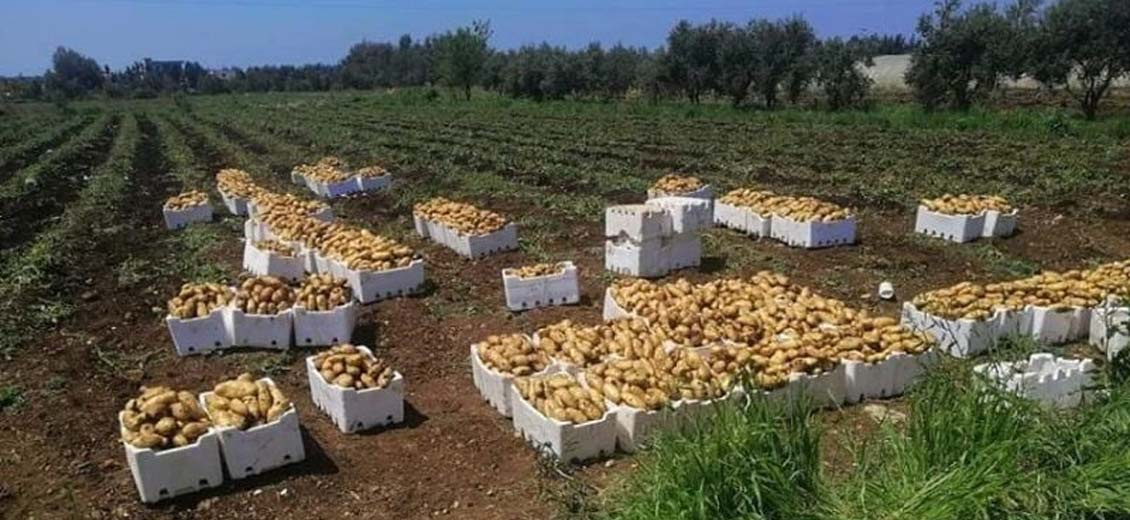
(467, 92)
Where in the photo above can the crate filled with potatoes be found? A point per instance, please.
(324, 311)
(674, 185)
(196, 317)
(256, 423)
(273, 257)
(805, 222)
(186, 208)
(497, 360)
(236, 189)
(329, 177)
(541, 285)
(376, 267)
(356, 389)
(470, 231)
(964, 218)
(559, 414)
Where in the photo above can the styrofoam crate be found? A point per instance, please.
(260, 330)
(650, 259)
(612, 310)
(370, 286)
(324, 328)
(199, 335)
(421, 225)
(173, 472)
(562, 288)
(890, 377)
(959, 338)
(261, 262)
(255, 230)
(638, 222)
(309, 257)
(688, 214)
(1110, 329)
(495, 387)
(236, 205)
(569, 442)
(826, 390)
(634, 426)
(705, 192)
(812, 235)
(478, 246)
(322, 263)
(955, 228)
(373, 183)
(1013, 322)
(999, 224)
(1054, 327)
(353, 410)
(339, 189)
(742, 219)
(326, 214)
(1043, 377)
(260, 448)
(176, 219)
(684, 251)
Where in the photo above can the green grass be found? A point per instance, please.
(11, 396)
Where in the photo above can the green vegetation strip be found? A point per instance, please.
(18, 156)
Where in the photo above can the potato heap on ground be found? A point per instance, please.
(361, 249)
(163, 418)
(197, 300)
(537, 270)
(267, 203)
(188, 199)
(323, 292)
(264, 295)
(373, 171)
(967, 204)
(244, 403)
(348, 367)
(464, 218)
(1060, 291)
(237, 183)
(512, 354)
(676, 184)
(561, 397)
(572, 343)
(748, 198)
(276, 247)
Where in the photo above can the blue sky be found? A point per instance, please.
(256, 32)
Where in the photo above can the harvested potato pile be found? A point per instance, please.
(748, 198)
(322, 172)
(537, 270)
(346, 366)
(267, 203)
(562, 398)
(373, 171)
(245, 403)
(188, 199)
(361, 249)
(264, 295)
(806, 209)
(333, 161)
(163, 418)
(572, 343)
(637, 383)
(323, 292)
(274, 246)
(197, 300)
(464, 218)
(298, 228)
(237, 183)
(967, 204)
(676, 184)
(513, 354)
(632, 339)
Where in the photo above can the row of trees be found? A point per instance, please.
(960, 56)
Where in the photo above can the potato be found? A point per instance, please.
(967, 204)
(159, 418)
(264, 295)
(361, 249)
(561, 397)
(275, 246)
(461, 217)
(537, 270)
(513, 355)
(571, 343)
(244, 402)
(369, 372)
(676, 184)
(372, 171)
(186, 200)
(236, 183)
(198, 300)
(323, 292)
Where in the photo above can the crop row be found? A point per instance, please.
(20, 155)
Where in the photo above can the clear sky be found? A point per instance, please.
(270, 32)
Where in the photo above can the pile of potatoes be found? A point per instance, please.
(967, 204)
(161, 417)
(464, 218)
(632, 338)
(348, 367)
(512, 354)
(264, 295)
(333, 161)
(237, 183)
(373, 171)
(692, 375)
(267, 203)
(323, 292)
(537, 270)
(361, 249)
(637, 383)
(188, 199)
(748, 198)
(245, 403)
(276, 247)
(197, 300)
(806, 209)
(322, 172)
(676, 184)
(561, 397)
(298, 228)
(571, 343)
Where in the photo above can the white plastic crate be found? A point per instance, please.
(199, 335)
(176, 219)
(1043, 377)
(1110, 329)
(684, 251)
(235, 205)
(309, 258)
(959, 338)
(260, 330)
(354, 410)
(650, 259)
(612, 310)
(638, 222)
(323, 328)
(634, 426)
(999, 224)
(955, 228)
(255, 230)
(339, 189)
(687, 214)
(173, 472)
(322, 263)
(704, 192)
(890, 377)
(827, 389)
(1054, 327)
(260, 448)
(567, 441)
(263, 262)
(373, 183)
(421, 225)
(478, 246)
(297, 178)
(742, 219)
(495, 387)
(562, 288)
(370, 286)
(812, 235)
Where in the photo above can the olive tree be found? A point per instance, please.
(1084, 45)
(838, 74)
(461, 56)
(962, 56)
